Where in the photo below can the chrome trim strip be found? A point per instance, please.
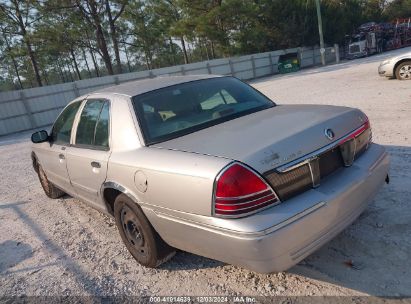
(237, 216)
(315, 161)
(355, 150)
(247, 202)
(241, 197)
(306, 158)
(116, 186)
(296, 165)
(240, 209)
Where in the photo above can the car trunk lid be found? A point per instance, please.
(273, 137)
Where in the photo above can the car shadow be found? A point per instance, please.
(13, 253)
(188, 261)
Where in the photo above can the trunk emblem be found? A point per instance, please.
(329, 134)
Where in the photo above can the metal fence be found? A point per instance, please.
(35, 108)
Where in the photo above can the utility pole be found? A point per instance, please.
(320, 30)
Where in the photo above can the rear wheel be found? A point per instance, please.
(403, 71)
(140, 238)
(50, 190)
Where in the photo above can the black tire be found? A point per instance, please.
(140, 238)
(50, 190)
(403, 71)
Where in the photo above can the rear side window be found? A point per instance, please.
(101, 135)
(61, 131)
(93, 127)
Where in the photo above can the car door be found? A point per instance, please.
(87, 157)
(53, 158)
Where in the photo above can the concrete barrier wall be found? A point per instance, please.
(35, 108)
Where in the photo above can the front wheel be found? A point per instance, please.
(50, 190)
(140, 238)
(403, 71)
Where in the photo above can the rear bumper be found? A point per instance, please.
(279, 237)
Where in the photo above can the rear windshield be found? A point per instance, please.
(181, 109)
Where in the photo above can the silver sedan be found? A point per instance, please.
(398, 67)
(209, 165)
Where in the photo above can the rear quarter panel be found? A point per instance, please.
(175, 180)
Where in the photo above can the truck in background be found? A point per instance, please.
(371, 38)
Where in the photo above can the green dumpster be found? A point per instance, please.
(288, 63)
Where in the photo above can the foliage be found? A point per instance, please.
(54, 41)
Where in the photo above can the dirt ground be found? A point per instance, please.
(63, 247)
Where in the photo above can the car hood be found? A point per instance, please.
(273, 137)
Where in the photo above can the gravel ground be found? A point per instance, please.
(63, 247)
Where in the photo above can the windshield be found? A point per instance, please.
(181, 109)
(358, 38)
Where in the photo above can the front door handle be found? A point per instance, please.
(61, 156)
(95, 164)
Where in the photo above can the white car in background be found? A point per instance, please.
(398, 67)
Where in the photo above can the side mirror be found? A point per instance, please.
(39, 137)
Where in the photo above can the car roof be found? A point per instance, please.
(136, 87)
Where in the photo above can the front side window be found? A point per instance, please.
(93, 127)
(61, 131)
(181, 109)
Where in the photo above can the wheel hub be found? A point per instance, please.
(134, 233)
(132, 230)
(405, 72)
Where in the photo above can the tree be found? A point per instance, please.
(170, 17)
(52, 41)
(10, 53)
(19, 17)
(93, 12)
(144, 36)
(398, 9)
(113, 30)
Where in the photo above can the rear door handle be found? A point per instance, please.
(95, 164)
(61, 156)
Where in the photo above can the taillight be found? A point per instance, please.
(239, 192)
(356, 143)
(364, 127)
